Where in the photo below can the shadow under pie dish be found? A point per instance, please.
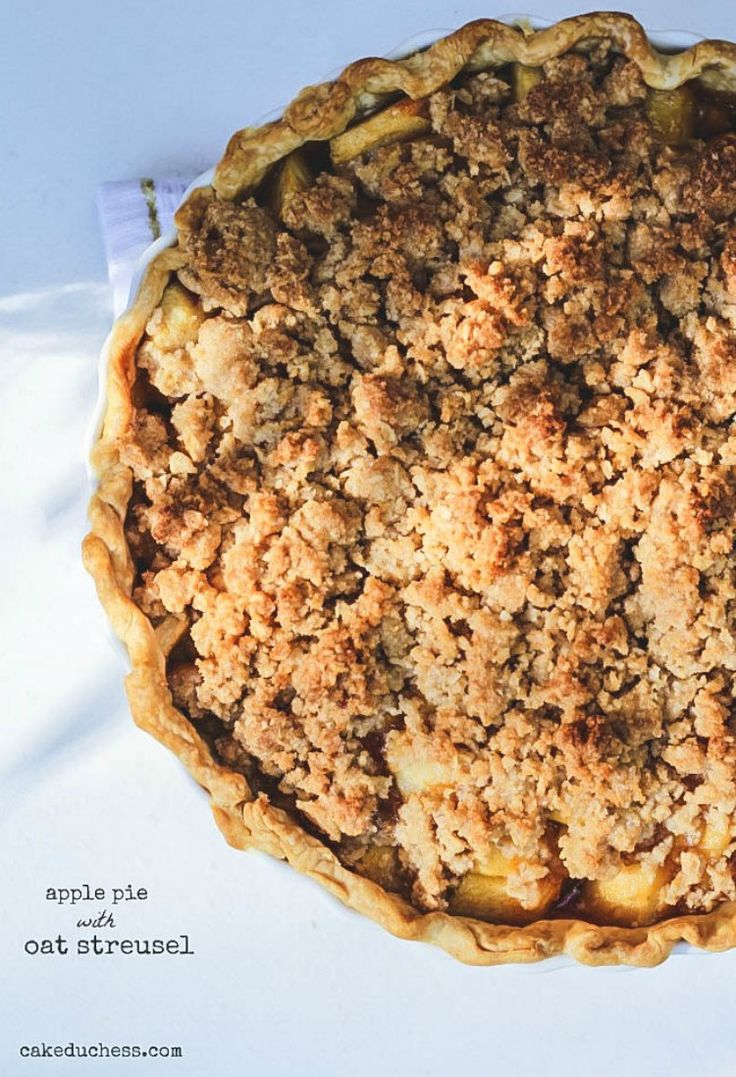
(416, 492)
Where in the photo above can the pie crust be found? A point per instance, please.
(248, 819)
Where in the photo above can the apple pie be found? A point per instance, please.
(417, 492)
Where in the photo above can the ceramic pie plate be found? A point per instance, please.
(471, 941)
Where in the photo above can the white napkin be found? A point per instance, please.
(133, 213)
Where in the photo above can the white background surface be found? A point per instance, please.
(283, 981)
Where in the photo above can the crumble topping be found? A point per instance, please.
(440, 470)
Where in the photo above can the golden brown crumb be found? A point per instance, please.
(440, 471)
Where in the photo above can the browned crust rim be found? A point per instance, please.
(247, 820)
(319, 112)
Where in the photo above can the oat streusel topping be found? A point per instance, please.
(440, 469)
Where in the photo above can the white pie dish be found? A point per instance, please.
(668, 40)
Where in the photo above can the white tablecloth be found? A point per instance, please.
(282, 980)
